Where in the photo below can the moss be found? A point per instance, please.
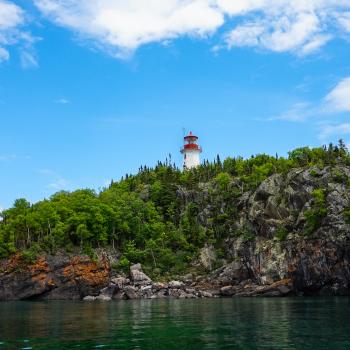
(245, 233)
(318, 211)
(314, 173)
(281, 233)
(339, 176)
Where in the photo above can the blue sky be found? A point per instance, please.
(90, 90)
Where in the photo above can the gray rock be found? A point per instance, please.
(146, 288)
(175, 284)
(207, 257)
(159, 285)
(120, 295)
(284, 290)
(228, 291)
(89, 298)
(138, 277)
(136, 267)
(109, 291)
(103, 298)
(120, 281)
(131, 293)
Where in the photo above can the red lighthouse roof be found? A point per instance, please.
(191, 137)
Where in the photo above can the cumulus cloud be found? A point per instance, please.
(12, 21)
(338, 100)
(299, 26)
(125, 25)
(11, 16)
(344, 20)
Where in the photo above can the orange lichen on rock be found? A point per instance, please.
(84, 270)
(41, 265)
(90, 272)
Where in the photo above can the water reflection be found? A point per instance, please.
(177, 324)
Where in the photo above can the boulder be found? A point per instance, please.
(136, 267)
(120, 281)
(227, 291)
(139, 278)
(109, 291)
(131, 293)
(175, 284)
(159, 285)
(145, 288)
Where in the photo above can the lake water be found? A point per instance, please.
(289, 323)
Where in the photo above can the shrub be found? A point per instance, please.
(339, 177)
(30, 255)
(318, 211)
(281, 233)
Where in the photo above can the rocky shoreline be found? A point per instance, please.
(80, 278)
(140, 286)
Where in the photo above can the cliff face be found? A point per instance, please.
(290, 237)
(313, 260)
(52, 277)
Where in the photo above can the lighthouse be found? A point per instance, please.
(191, 151)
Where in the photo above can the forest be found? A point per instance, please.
(151, 217)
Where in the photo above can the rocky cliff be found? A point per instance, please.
(290, 237)
(52, 277)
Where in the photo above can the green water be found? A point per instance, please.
(295, 323)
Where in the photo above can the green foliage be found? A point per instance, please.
(30, 255)
(223, 180)
(246, 234)
(123, 264)
(317, 212)
(281, 233)
(340, 177)
(156, 217)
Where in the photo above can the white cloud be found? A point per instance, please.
(335, 102)
(328, 130)
(338, 100)
(344, 21)
(11, 15)
(119, 26)
(4, 55)
(12, 20)
(28, 59)
(299, 112)
(297, 26)
(57, 182)
(122, 26)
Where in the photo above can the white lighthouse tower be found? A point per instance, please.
(191, 151)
